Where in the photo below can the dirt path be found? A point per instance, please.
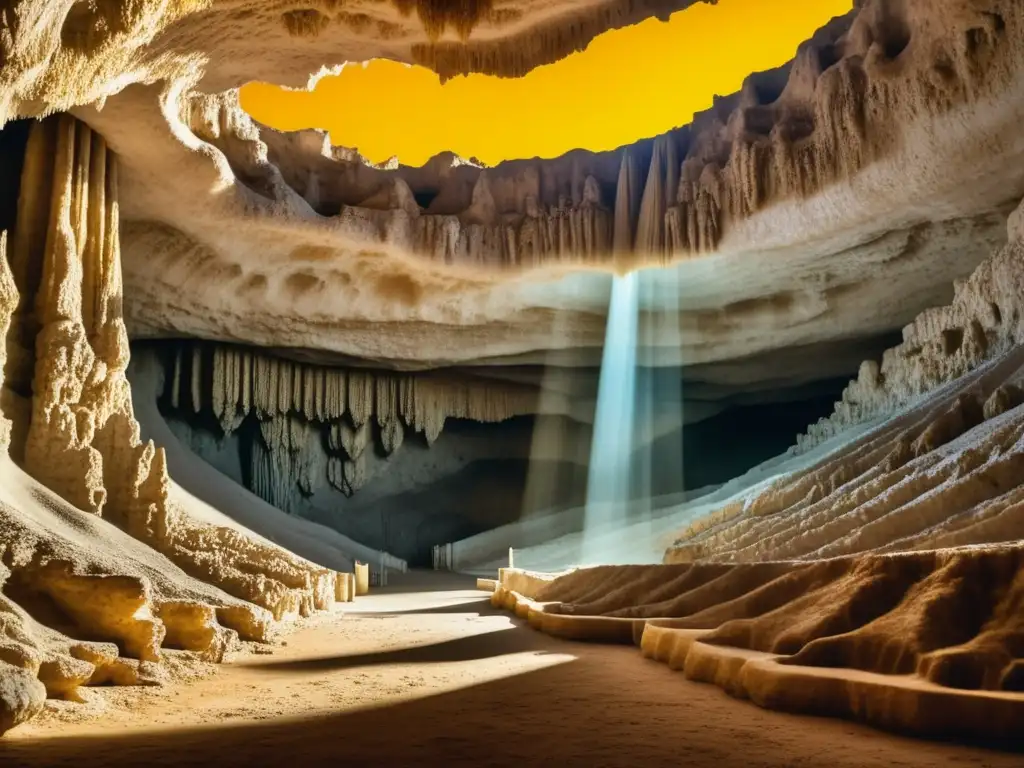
(425, 673)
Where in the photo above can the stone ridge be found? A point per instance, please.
(942, 466)
(924, 644)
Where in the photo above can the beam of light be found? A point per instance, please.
(560, 445)
(557, 456)
(628, 84)
(609, 480)
(658, 447)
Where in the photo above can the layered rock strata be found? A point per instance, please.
(923, 643)
(941, 467)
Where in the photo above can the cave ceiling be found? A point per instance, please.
(821, 207)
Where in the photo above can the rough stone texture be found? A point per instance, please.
(873, 170)
(940, 468)
(21, 696)
(60, 308)
(827, 172)
(923, 643)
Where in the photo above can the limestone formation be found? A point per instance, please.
(317, 421)
(60, 306)
(939, 466)
(319, 304)
(923, 643)
(823, 169)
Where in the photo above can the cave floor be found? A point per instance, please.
(425, 672)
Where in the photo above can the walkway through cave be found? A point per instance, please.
(424, 672)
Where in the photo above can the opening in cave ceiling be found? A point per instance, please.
(627, 84)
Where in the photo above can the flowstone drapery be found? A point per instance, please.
(73, 611)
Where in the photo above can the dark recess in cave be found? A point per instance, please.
(727, 445)
(424, 197)
(13, 140)
(460, 491)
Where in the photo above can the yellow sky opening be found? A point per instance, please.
(628, 84)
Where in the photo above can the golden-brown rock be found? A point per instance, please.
(924, 643)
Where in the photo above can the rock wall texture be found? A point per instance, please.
(923, 643)
(875, 167)
(73, 613)
(872, 170)
(939, 469)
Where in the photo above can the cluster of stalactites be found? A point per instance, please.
(788, 134)
(317, 421)
(235, 381)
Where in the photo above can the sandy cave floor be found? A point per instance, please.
(426, 672)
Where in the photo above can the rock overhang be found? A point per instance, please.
(812, 172)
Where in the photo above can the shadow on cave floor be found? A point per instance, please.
(587, 705)
(615, 709)
(480, 607)
(474, 647)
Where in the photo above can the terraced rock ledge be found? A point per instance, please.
(928, 644)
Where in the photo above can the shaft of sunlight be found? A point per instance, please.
(657, 455)
(609, 478)
(558, 458)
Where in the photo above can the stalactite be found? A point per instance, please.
(196, 380)
(626, 205)
(391, 435)
(340, 407)
(352, 441)
(360, 397)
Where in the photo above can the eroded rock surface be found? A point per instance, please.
(874, 170)
(922, 643)
(940, 467)
(70, 428)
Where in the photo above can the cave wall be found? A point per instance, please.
(102, 565)
(276, 426)
(67, 393)
(474, 477)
